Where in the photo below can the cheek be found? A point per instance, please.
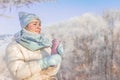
(31, 28)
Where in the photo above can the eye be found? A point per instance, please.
(34, 24)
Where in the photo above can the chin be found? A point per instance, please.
(37, 32)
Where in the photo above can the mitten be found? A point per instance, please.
(48, 61)
(55, 44)
(60, 49)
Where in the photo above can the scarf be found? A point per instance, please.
(31, 40)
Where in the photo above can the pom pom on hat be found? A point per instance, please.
(26, 18)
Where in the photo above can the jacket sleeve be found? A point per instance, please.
(17, 65)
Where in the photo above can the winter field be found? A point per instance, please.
(91, 43)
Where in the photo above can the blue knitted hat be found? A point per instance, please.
(26, 18)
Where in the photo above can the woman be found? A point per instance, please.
(31, 55)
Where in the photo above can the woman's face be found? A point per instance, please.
(34, 26)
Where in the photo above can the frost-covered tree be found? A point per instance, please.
(19, 3)
(85, 40)
(91, 47)
(10, 4)
(112, 17)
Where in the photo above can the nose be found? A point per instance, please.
(38, 27)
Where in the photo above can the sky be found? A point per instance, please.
(54, 12)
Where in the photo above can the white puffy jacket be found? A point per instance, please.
(23, 64)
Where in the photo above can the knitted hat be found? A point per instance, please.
(26, 18)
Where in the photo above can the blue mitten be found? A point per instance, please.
(60, 49)
(48, 61)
